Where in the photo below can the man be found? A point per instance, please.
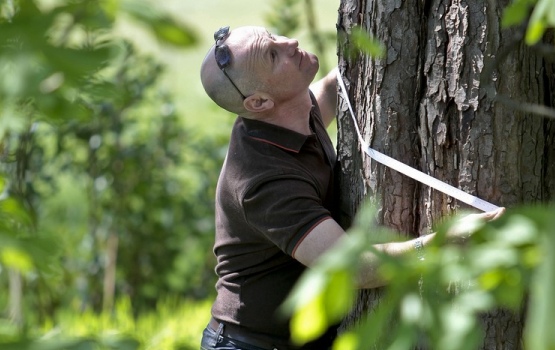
(275, 201)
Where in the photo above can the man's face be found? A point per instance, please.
(274, 63)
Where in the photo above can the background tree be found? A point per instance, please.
(107, 174)
(434, 102)
(92, 182)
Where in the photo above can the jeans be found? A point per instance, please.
(214, 340)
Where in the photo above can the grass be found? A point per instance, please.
(173, 325)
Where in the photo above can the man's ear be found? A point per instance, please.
(258, 102)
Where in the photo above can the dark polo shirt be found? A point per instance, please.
(276, 185)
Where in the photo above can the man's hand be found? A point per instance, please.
(466, 226)
(325, 91)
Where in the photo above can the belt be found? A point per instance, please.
(240, 334)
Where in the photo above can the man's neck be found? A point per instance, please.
(294, 115)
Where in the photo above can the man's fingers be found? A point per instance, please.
(487, 216)
(493, 215)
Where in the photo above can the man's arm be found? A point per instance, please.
(328, 233)
(325, 91)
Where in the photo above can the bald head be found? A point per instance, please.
(269, 70)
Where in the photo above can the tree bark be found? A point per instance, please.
(433, 103)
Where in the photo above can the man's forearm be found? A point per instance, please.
(325, 91)
(369, 275)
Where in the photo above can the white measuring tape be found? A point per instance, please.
(411, 172)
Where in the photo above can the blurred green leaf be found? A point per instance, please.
(535, 31)
(163, 25)
(517, 12)
(543, 17)
(519, 230)
(120, 342)
(327, 290)
(172, 33)
(3, 184)
(49, 344)
(16, 259)
(339, 295)
(76, 63)
(346, 341)
(491, 256)
(412, 310)
(459, 325)
(438, 300)
(541, 310)
(284, 17)
(366, 43)
(89, 14)
(13, 212)
(310, 320)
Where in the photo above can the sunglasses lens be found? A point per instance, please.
(223, 57)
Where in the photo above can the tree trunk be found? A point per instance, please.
(15, 297)
(431, 103)
(109, 285)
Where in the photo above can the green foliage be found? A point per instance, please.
(541, 18)
(132, 154)
(364, 43)
(90, 149)
(172, 325)
(285, 16)
(164, 26)
(437, 301)
(325, 292)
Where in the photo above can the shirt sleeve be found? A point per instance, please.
(284, 210)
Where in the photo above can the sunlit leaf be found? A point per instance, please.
(411, 308)
(531, 256)
(309, 321)
(346, 341)
(310, 286)
(339, 294)
(16, 258)
(490, 279)
(538, 22)
(110, 7)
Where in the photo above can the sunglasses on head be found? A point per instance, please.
(223, 55)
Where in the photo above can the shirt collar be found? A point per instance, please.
(275, 135)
